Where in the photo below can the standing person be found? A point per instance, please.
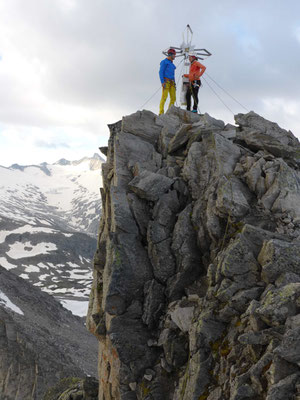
(196, 71)
(167, 78)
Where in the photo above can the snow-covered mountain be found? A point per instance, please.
(64, 194)
(49, 215)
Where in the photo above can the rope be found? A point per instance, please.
(149, 98)
(218, 96)
(227, 92)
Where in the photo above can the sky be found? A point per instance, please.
(70, 67)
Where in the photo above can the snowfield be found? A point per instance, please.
(4, 300)
(49, 217)
(23, 250)
(51, 192)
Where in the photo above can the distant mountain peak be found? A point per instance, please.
(62, 161)
(95, 161)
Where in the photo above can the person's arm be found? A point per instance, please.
(162, 70)
(202, 69)
(188, 75)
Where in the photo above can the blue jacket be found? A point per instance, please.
(167, 70)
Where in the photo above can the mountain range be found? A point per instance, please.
(48, 225)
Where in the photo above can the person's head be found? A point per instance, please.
(192, 58)
(171, 54)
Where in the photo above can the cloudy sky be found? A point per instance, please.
(70, 67)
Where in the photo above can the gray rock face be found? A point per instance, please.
(196, 289)
(40, 341)
(150, 186)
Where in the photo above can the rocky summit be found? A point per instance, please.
(196, 291)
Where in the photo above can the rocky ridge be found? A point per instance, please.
(196, 291)
(40, 341)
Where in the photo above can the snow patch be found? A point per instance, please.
(31, 268)
(5, 301)
(21, 250)
(5, 264)
(77, 307)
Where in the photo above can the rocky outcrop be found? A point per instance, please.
(74, 389)
(196, 291)
(40, 341)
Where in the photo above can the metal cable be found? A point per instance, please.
(150, 98)
(218, 96)
(227, 92)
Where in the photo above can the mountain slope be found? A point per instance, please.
(64, 194)
(48, 221)
(40, 341)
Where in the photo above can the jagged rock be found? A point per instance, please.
(257, 140)
(130, 269)
(188, 261)
(216, 394)
(241, 299)
(243, 392)
(180, 138)
(122, 218)
(215, 156)
(142, 124)
(195, 381)
(162, 259)
(280, 369)
(238, 259)
(182, 316)
(197, 276)
(290, 346)
(262, 338)
(176, 350)
(286, 278)
(283, 195)
(154, 302)
(170, 123)
(233, 197)
(278, 304)
(150, 186)
(277, 257)
(255, 121)
(129, 337)
(141, 212)
(284, 389)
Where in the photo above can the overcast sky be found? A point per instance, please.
(70, 67)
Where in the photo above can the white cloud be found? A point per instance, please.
(284, 111)
(297, 33)
(74, 66)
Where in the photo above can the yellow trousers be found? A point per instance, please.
(169, 88)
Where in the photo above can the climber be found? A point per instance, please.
(167, 78)
(196, 71)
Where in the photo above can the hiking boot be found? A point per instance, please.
(194, 111)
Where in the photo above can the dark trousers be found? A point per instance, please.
(192, 91)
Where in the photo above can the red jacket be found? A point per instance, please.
(196, 70)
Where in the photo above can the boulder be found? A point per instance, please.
(142, 124)
(150, 186)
